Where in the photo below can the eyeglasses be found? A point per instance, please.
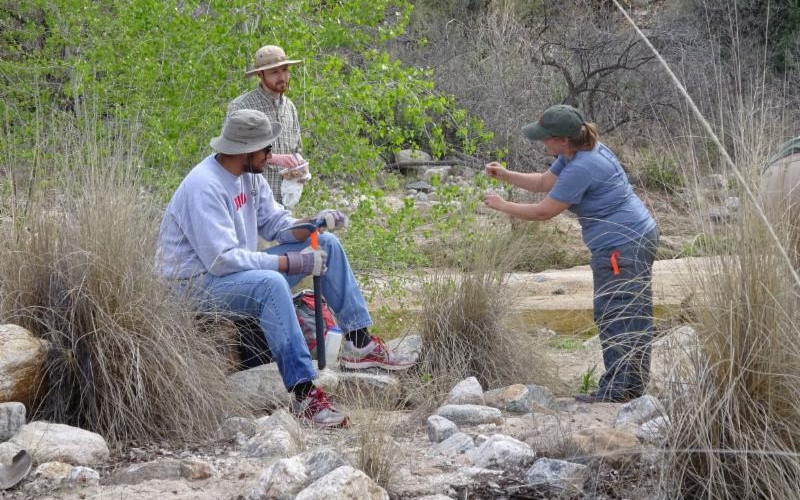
(268, 149)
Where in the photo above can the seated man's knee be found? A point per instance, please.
(328, 240)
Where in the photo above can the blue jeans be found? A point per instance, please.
(267, 296)
(623, 312)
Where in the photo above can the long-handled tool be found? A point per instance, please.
(318, 321)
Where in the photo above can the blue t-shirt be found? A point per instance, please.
(598, 191)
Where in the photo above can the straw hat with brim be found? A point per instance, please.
(556, 121)
(245, 131)
(268, 57)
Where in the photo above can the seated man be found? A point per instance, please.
(208, 246)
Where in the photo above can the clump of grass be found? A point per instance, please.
(464, 321)
(735, 433)
(125, 356)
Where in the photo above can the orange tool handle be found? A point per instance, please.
(315, 239)
(614, 265)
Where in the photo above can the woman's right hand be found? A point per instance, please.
(495, 170)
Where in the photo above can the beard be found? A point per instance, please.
(252, 168)
(277, 88)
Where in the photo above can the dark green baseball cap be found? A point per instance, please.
(556, 121)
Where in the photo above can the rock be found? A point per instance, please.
(422, 197)
(502, 452)
(195, 470)
(12, 417)
(281, 480)
(439, 428)
(57, 442)
(442, 172)
(406, 155)
(408, 346)
(434, 497)
(654, 431)
(82, 476)
(328, 379)
(718, 214)
(733, 203)
(262, 386)
(638, 411)
(683, 337)
(54, 472)
(21, 356)
(138, 473)
(7, 452)
(558, 474)
(520, 398)
(468, 391)
(470, 414)
(455, 444)
(420, 186)
(593, 343)
(344, 483)
(275, 443)
(286, 477)
(233, 427)
(367, 385)
(279, 419)
(611, 444)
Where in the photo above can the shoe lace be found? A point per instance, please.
(319, 400)
(381, 344)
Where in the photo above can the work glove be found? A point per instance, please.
(333, 219)
(308, 261)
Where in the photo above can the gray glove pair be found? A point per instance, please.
(308, 261)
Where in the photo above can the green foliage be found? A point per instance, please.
(588, 380)
(566, 343)
(174, 66)
(661, 173)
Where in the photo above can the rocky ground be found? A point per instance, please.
(513, 442)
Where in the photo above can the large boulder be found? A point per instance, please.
(21, 356)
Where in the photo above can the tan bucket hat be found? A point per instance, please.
(268, 57)
(245, 131)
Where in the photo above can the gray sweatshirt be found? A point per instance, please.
(213, 221)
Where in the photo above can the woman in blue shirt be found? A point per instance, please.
(587, 179)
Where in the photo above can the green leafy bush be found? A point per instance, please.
(174, 66)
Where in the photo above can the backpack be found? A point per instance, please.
(304, 307)
(253, 349)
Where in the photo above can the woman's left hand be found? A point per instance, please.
(493, 201)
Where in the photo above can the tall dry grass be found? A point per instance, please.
(464, 321)
(735, 404)
(125, 356)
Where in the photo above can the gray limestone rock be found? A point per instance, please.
(557, 474)
(344, 483)
(502, 452)
(654, 431)
(12, 418)
(48, 442)
(455, 444)
(470, 414)
(439, 428)
(638, 411)
(468, 391)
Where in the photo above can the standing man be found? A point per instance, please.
(208, 248)
(272, 67)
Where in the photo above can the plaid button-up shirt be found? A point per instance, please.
(279, 110)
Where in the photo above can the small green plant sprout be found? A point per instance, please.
(589, 380)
